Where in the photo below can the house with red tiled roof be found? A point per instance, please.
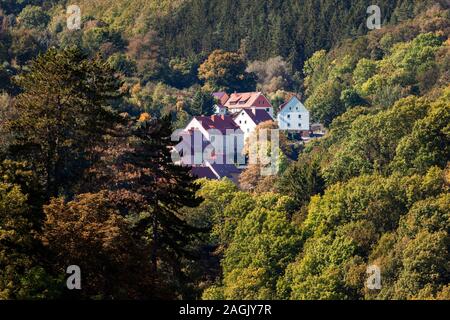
(221, 98)
(212, 146)
(216, 171)
(248, 100)
(207, 124)
(248, 119)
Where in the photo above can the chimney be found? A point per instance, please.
(222, 116)
(254, 111)
(213, 117)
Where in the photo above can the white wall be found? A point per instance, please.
(294, 116)
(235, 139)
(245, 123)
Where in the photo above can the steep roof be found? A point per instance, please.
(215, 171)
(293, 102)
(219, 122)
(203, 172)
(221, 96)
(257, 115)
(243, 100)
(224, 170)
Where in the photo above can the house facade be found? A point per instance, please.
(248, 100)
(248, 119)
(293, 116)
(212, 146)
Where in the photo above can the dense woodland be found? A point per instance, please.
(86, 177)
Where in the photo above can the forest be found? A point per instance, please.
(86, 176)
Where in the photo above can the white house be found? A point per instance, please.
(213, 138)
(248, 119)
(293, 116)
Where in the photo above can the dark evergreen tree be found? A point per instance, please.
(63, 113)
(302, 180)
(148, 188)
(202, 103)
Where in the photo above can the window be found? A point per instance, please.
(245, 121)
(248, 129)
(240, 121)
(289, 116)
(299, 116)
(289, 125)
(267, 109)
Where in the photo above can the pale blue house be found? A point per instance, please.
(293, 116)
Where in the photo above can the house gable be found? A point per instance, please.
(197, 125)
(244, 121)
(293, 116)
(293, 105)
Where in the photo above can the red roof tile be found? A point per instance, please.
(258, 115)
(203, 172)
(247, 100)
(221, 96)
(219, 122)
(215, 171)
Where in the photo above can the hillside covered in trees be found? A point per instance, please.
(374, 191)
(86, 176)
